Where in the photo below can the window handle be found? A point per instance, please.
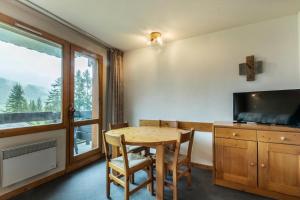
(71, 110)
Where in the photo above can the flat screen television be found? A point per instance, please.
(281, 107)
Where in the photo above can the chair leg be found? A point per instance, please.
(189, 176)
(132, 178)
(152, 182)
(174, 185)
(126, 188)
(107, 182)
(150, 176)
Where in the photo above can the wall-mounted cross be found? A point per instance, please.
(250, 68)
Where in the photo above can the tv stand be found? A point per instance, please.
(257, 158)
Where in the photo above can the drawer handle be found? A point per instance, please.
(252, 164)
(234, 134)
(282, 138)
(263, 165)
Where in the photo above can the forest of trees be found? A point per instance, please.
(17, 102)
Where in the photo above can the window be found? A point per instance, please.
(30, 79)
(86, 87)
(85, 98)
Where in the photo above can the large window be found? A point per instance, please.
(30, 79)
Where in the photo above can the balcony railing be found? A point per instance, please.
(8, 118)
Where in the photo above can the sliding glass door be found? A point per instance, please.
(85, 105)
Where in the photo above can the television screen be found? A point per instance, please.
(268, 107)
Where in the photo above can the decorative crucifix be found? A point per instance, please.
(250, 68)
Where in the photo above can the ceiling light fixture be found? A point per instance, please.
(155, 39)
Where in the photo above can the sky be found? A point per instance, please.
(32, 67)
(19, 64)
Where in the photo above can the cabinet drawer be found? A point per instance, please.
(279, 137)
(234, 133)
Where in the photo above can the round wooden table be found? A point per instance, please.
(156, 137)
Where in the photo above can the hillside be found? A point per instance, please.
(32, 92)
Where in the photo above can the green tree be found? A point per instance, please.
(79, 96)
(16, 101)
(53, 102)
(39, 105)
(32, 106)
(87, 80)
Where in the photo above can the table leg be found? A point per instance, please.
(160, 172)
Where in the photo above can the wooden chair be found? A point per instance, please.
(147, 122)
(170, 124)
(125, 165)
(174, 162)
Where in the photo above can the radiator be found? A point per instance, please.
(22, 162)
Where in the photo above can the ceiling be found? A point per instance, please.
(124, 24)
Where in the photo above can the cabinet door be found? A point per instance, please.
(236, 161)
(279, 168)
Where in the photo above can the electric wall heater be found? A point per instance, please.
(22, 162)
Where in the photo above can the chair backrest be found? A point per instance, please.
(116, 141)
(146, 122)
(170, 124)
(183, 138)
(119, 125)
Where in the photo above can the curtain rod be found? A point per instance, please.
(58, 19)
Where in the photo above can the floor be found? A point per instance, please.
(89, 184)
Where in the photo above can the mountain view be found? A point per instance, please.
(31, 92)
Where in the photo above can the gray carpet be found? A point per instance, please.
(89, 184)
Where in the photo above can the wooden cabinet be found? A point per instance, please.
(279, 168)
(236, 161)
(235, 133)
(260, 159)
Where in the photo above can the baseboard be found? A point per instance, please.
(32, 185)
(202, 166)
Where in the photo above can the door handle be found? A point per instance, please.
(72, 110)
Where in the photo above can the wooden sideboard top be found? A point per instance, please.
(256, 126)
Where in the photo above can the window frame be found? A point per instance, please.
(65, 77)
(75, 158)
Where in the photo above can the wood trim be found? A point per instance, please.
(30, 130)
(67, 74)
(198, 126)
(86, 155)
(11, 21)
(202, 166)
(73, 159)
(32, 185)
(258, 127)
(85, 51)
(86, 122)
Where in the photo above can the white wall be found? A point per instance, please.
(193, 79)
(27, 15)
